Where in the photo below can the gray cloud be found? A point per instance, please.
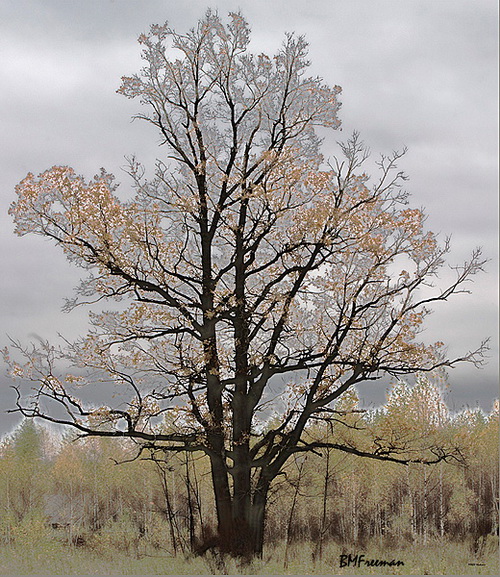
(421, 74)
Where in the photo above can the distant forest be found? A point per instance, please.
(93, 493)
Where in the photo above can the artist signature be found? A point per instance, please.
(360, 560)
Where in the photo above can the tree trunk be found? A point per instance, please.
(441, 502)
(240, 529)
(223, 505)
(169, 510)
(323, 525)
(290, 516)
(247, 533)
(412, 506)
(189, 490)
(258, 518)
(425, 519)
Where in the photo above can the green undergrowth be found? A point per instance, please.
(48, 556)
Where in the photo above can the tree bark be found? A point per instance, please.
(290, 516)
(240, 529)
(223, 504)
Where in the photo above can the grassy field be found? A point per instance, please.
(50, 557)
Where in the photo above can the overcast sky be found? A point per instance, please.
(418, 73)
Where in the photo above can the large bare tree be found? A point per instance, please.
(258, 282)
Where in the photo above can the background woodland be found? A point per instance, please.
(92, 494)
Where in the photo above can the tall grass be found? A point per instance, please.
(45, 553)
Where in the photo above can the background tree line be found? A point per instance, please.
(75, 490)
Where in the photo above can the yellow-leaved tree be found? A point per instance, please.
(262, 282)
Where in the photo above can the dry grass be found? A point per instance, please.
(49, 556)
